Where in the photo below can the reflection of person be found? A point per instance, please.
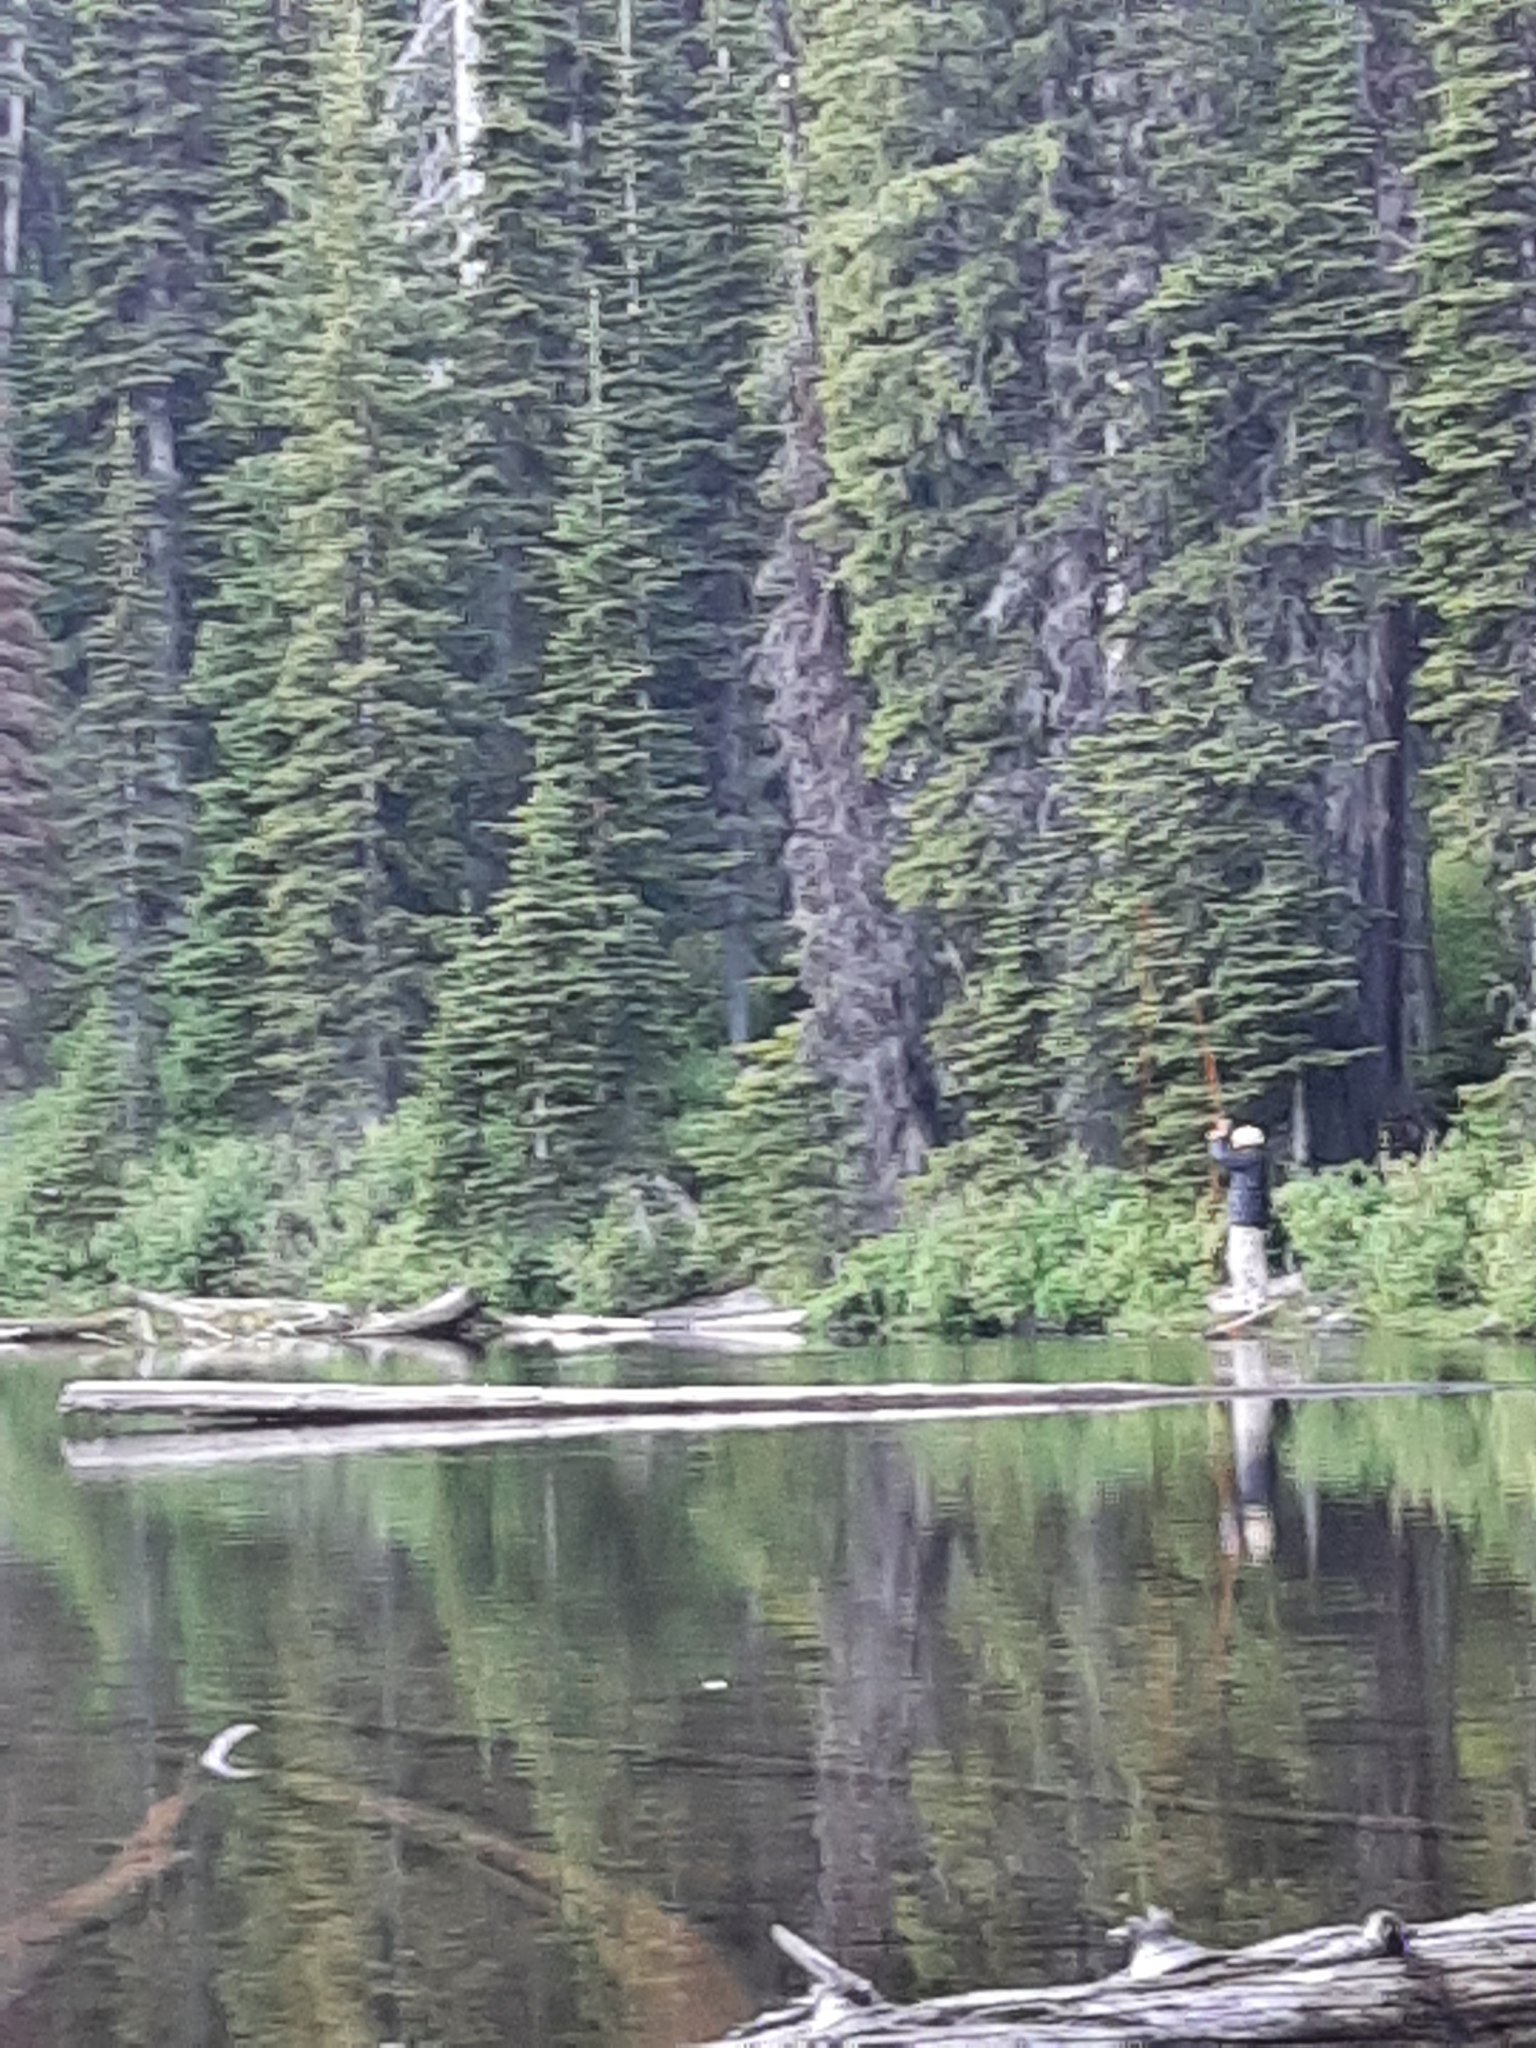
(1254, 1460)
(1244, 1158)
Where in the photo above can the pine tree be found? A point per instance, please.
(561, 1019)
(127, 319)
(29, 870)
(530, 246)
(857, 959)
(1466, 416)
(690, 212)
(1272, 622)
(128, 758)
(29, 848)
(976, 237)
(338, 646)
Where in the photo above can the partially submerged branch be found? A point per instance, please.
(30, 1944)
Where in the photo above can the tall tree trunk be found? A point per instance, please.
(858, 959)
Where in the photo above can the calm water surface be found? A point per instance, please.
(551, 1736)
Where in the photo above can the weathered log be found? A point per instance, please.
(279, 1320)
(249, 1315)
(283, 1401)
(1472, 1978)
(442, 1316)
(102, 1326)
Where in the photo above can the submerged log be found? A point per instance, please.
(1472, 1978)
(30, 1945)
(285, 1401)
(102, 1326)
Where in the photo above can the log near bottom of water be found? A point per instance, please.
(1468, 1979)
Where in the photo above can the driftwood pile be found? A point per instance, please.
(745, 1320)
(1470, 1979)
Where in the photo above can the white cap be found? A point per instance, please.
(1246, 1136)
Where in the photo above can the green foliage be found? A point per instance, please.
(1477, 968)
(1409, 1237)
(61, 1158)
(646, 1248)
(336, 653)
(193, 1223)
(1081, 1248)
(1465, 414)
(771, 1159)
(30, 866)
(562, 1019)
(992, 489)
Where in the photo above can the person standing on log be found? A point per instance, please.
(1243, 1157)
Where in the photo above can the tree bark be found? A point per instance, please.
(859, 962)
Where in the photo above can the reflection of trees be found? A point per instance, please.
(880, 1611)
(982, 1687)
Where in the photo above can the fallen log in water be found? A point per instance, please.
(275, 1318)
(1468, 1979)
(297, 1401)
(443, 1316)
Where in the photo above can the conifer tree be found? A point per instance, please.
(29, 869)
(690, 246)
(530, 246)
(858, 961)
(560, 1019)
(129, 745)
(1466, 416)
(127, 318)
(29, 847)
(338, 645)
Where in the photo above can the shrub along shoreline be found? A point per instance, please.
(1438, 1243)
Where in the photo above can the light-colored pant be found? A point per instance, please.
(1247, 1264)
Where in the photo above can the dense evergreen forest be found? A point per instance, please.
(641, 639)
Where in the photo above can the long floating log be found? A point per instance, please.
(1469, 1979)
(285, 1401)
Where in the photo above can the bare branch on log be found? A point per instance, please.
(1472, 1978)
(445, 1314)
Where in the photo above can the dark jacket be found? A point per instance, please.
(1247, 1171)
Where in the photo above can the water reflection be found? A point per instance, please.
(552, 1735)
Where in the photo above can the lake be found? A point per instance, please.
(550, 1736)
